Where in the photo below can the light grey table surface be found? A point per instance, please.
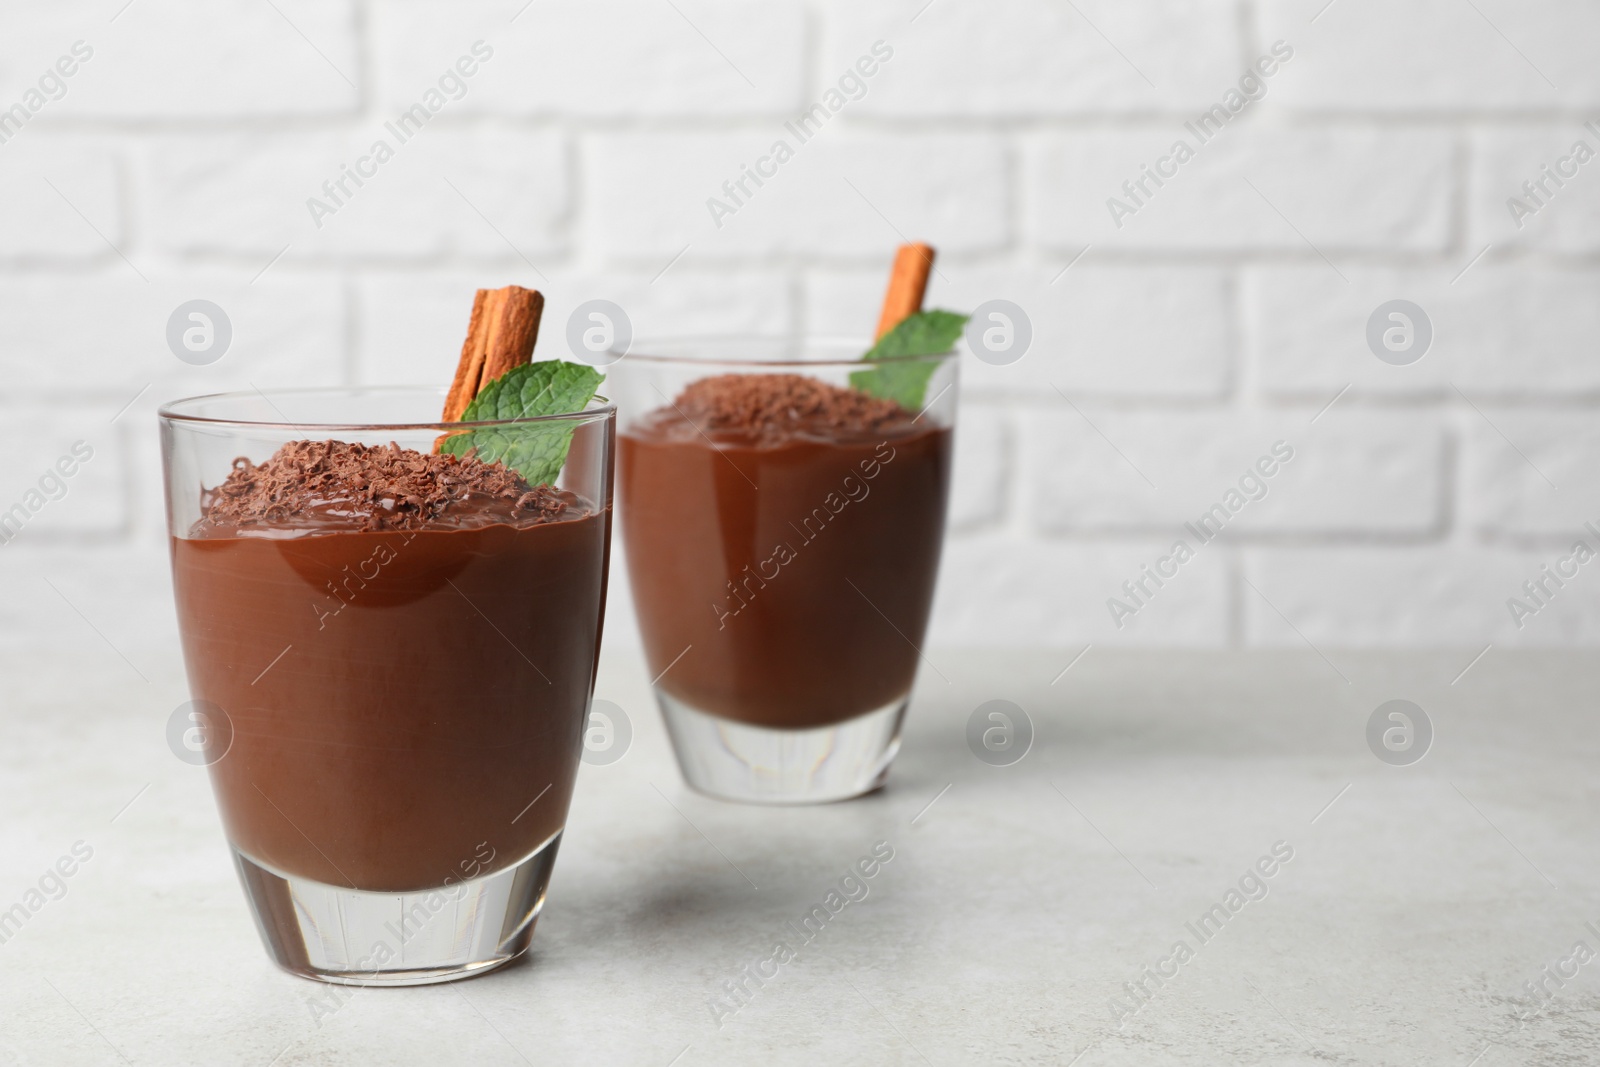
(1418, 901)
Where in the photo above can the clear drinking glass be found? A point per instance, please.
(782, 587)
(393, 719)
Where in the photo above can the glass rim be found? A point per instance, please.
(686, 343)
(598, 407)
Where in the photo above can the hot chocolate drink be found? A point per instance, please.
(783, 539)
(405, 645)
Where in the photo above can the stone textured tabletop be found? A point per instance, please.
(1419, 914)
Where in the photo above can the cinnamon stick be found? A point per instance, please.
(907, 284)
(500, 336)
(513, 330)
(469, 372)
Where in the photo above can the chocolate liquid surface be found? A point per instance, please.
(796, 564)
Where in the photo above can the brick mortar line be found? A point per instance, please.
(561, 257)
(1276, 119)
(107, 267)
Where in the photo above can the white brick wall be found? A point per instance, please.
(619, 59)
(171, 61)
(1220, 317)
(1439, 57)
(1014, 58)
(62, 202)
(246, 195)
(1354, 472)
(843, 194)
(1248, 190)
(1519, 330)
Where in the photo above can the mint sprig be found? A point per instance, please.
(537, 452)
(925, 333)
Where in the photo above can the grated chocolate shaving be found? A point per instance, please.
(777, 405)
(327, 485)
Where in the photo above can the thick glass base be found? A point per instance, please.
(352, 937)
(757, 765)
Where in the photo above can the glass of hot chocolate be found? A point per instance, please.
(782, 507)
(394, 649)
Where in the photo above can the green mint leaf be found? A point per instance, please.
(904, 381)
(926, 333)
(536, 452)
